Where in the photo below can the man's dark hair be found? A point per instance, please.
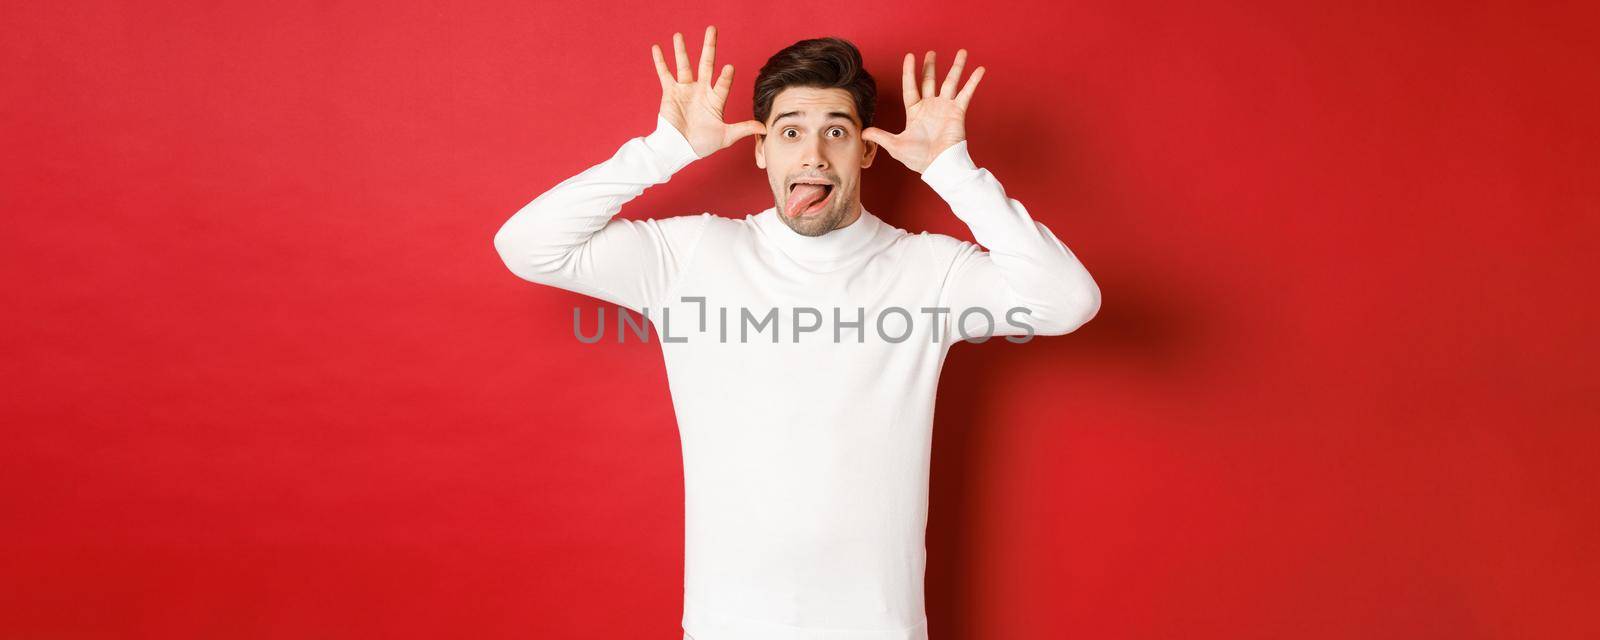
(822, 63)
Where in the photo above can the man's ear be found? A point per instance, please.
(872, 152)
(761, 157)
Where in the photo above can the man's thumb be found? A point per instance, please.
(876, 135)
(739, 130)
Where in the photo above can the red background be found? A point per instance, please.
(266, 376)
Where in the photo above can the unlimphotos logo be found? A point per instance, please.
(805, 324)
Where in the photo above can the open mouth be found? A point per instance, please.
(807, 198)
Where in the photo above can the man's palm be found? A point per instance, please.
(934, 121)
(693, 104)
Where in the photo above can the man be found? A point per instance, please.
(805, 451)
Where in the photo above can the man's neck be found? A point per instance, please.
(855, 214)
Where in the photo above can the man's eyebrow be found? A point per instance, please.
(831, 115)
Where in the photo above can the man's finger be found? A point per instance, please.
(880, 137)
(708, 54)
(684, 73)
(949, 86)
(965, 97)
(662, 73)
(908, 81)
(724, 83)
(927, 75)
(739, 130)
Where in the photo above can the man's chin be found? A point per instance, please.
(813, 225)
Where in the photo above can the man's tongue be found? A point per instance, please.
(803, 196)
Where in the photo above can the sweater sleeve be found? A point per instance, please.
(568, 238)
(1024, 266)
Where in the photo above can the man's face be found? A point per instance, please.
(814, 136)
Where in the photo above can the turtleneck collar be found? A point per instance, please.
(830, 248)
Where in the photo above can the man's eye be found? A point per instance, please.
(786, 133)
(839, 129)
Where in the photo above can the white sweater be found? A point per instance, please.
(804, 400)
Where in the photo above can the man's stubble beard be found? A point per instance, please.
(814, 226)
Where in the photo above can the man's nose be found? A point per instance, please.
(812, 157)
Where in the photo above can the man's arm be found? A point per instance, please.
(567, 237)
(1025, 265)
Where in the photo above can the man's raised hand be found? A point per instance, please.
(692, 104)
(934, 122)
